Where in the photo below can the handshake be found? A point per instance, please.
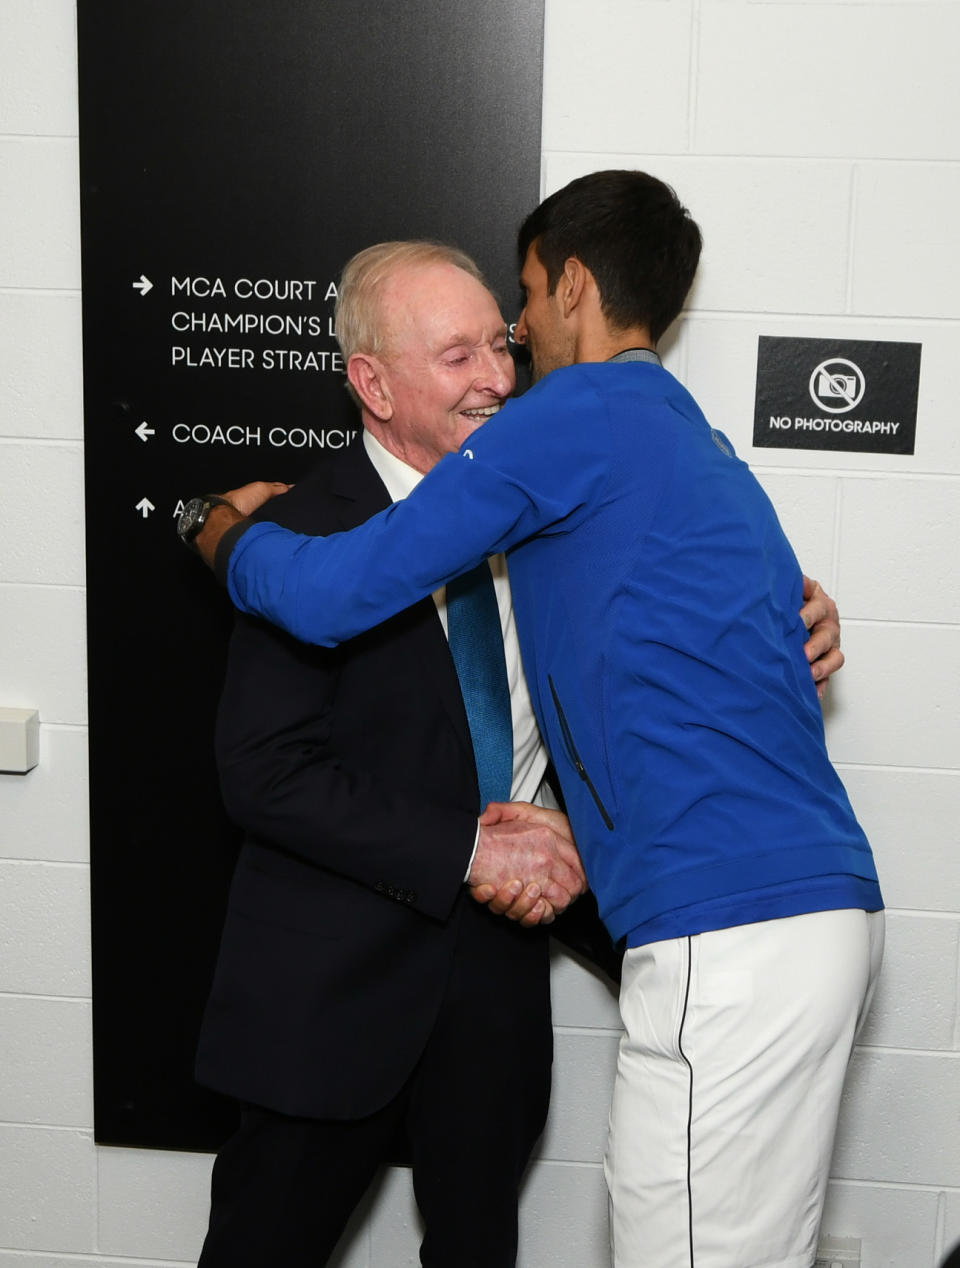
(527, 866)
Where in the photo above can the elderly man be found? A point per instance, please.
(360, 995)
(657, 603)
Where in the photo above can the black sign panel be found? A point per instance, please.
(853, 394)
(233, 155)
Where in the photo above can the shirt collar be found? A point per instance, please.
(397, 475)
(637, 354)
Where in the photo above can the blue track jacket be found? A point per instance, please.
(657, 603)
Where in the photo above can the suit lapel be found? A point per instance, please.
(362, 493)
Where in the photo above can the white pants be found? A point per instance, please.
(728, 1089)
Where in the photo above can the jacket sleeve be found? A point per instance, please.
(286, 784)
(536, 466)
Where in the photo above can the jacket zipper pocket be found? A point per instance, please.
(575, 756)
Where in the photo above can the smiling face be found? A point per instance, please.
(445, 367)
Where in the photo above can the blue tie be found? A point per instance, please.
(476, 643)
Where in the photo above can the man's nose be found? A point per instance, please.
(520, 329)
(495, 373)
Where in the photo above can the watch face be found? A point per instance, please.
(191, 519)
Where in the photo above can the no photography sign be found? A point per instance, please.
(851, 394)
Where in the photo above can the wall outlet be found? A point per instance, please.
(838, 1252)
(19, 740)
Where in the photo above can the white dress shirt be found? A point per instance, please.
(529, 754)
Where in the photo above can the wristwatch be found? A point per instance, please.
(194, 516)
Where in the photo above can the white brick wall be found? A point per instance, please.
(816, 142)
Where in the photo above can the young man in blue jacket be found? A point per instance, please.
(657, 603)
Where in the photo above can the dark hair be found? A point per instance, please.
(632, 233)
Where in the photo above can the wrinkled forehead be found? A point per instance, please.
(434, 305)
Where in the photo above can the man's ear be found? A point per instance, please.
(366, 375)
(571, 284)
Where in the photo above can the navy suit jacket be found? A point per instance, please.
(351, 772)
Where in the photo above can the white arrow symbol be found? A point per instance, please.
(143, 431)
(145, 506)
(143, 285)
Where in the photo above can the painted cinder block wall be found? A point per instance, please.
(816, 143)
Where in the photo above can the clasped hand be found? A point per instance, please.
(527, 866)
(820, 616)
